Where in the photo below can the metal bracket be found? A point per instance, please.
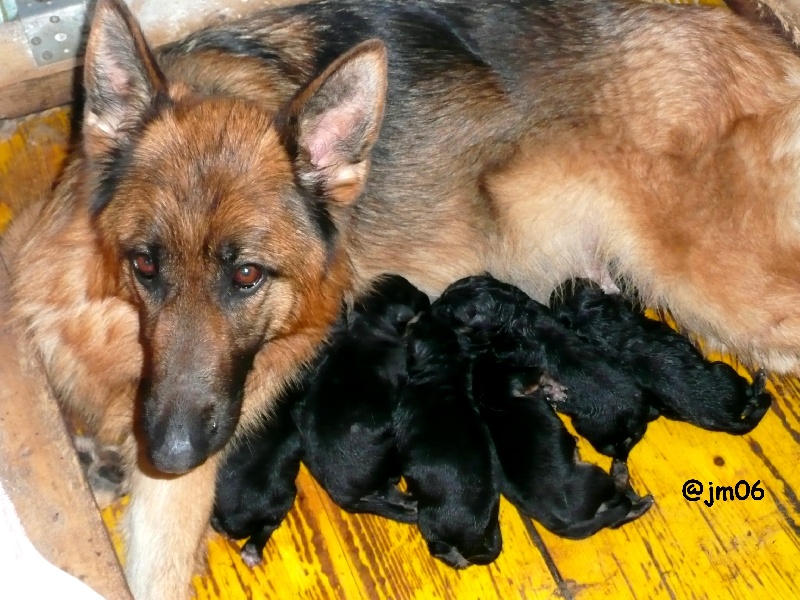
(8, 10)
(56, 29)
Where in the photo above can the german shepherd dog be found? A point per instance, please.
(232, 189)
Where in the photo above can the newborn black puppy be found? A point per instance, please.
(446, 450)
(394, 300)
(345, 416)
(679, 382)
(603, 399)
(256, 482)
(542, 473)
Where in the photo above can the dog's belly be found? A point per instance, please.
(688, 234)
(554, 220)
(432, 240)
(534, 225)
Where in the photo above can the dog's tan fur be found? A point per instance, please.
(666, 155)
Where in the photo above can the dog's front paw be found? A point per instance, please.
(104, 470)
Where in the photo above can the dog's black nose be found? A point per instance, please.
(176, 452)
(179, 438)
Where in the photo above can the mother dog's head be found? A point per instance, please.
(218, 219)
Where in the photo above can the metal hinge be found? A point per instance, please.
(55, 29)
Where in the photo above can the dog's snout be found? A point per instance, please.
(176, 455)
(180, 432)
(177, 443)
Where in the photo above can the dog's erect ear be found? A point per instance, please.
(121, 78)
(331, 125)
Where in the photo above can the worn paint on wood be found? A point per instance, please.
(32, 153)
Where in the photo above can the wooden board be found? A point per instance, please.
(680, 549)
(40, 472)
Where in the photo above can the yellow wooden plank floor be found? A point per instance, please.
(680, 549)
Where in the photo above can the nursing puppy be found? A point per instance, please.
(606, 405)
(394, 301)
(256, 483)
(542, 473)
(445, 449)
(678, 382)
(232, 189)
(345, 413)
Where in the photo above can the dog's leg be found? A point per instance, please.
(389, 503)
(253, 551)
(165, 522)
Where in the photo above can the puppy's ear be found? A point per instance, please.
(331, 125)
(121, 79)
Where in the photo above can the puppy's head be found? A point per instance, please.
(476, 301)
(218, 221)
(395, 300)
(431, 343)
(466, 547)
(487, 307)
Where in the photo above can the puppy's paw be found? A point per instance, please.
(251, 554)
(389, 503)
(448, 554)
(621, 475)
(553, 390)
(759, 402)
(639, 506)
(104, 470)
(759, 384)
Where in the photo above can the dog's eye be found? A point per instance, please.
(247, 276)
(145, 265)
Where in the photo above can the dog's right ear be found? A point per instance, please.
(121, 79)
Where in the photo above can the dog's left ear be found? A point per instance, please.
(331, 125)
